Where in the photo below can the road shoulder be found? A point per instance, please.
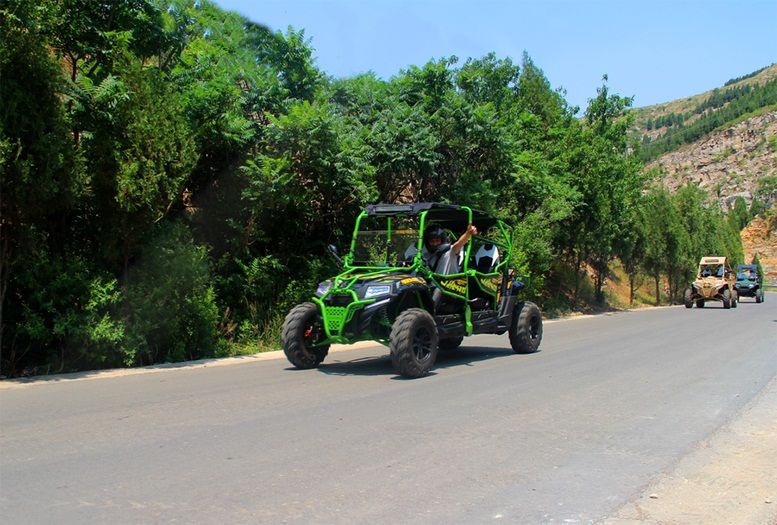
(166, 367)
(729, 478)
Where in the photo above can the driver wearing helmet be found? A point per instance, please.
(438, 254)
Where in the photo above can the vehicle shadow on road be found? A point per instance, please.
(381, 365)
(468, 355)
(363, 366)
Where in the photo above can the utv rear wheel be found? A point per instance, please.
(727, 298)
(450, 343)
(688, 298)
(301, 330)
(526, 330)
(413, 343)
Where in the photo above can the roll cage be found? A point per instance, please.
(485, 285)
(451, 217)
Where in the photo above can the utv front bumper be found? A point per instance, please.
(347, 319)
(746, 290)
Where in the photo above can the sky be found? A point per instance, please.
(654, 51)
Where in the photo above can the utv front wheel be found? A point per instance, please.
(688, 298)
(526, 330)
(726, 298)
(413, 343)
(301, 330)
(699, 303)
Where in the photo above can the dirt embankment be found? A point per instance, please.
(729, 478)
(761, 239)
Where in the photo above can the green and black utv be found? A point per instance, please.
(750, 282)
(388, 293)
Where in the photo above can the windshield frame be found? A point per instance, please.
(424, 217)
(351, 258)
(454, 219)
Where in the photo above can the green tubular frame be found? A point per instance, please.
(332, 319)
(436, 277)
(336, 318)
(507, 245)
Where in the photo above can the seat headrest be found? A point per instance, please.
(486, 258)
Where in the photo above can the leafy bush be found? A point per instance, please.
(170, 304)
(64, 318)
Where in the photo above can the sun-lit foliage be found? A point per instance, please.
(172, 174)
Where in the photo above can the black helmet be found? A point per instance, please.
(433, 231)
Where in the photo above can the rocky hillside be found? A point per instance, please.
(724, 140)
(649, 119)
(727, 163)
(730, 163)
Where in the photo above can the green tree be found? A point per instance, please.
(172, 276)
(536, 95)
(666, 241)
(738, 215)
(708, 229)
(40, 175)
(304, 188)
(630, 244)
(757, 261)
(606, 176)
(700, 225)
(489, 80)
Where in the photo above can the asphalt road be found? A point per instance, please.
(567, 435)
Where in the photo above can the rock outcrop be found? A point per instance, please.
(760, 237)
(727, 163)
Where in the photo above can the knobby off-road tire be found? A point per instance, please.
(759, 296)
(726, 298)
(688, 298)
(699, 303)
(301, 329)
(526, 329)
(734, 299)
(413, 343)
(450, 343)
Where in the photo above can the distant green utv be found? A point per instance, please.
(749, 282)
(395, 289)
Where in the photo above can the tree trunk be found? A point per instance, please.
(657, 277)
(578, 263)
(5, 276)
(599, 285)
(73, 76)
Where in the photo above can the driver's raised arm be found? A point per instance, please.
(462, 241)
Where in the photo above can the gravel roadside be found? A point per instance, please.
(730, 478)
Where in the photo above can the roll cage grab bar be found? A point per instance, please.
(505, 243)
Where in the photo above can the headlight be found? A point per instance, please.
(323, 288)
(377, 291)
(750, 285)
